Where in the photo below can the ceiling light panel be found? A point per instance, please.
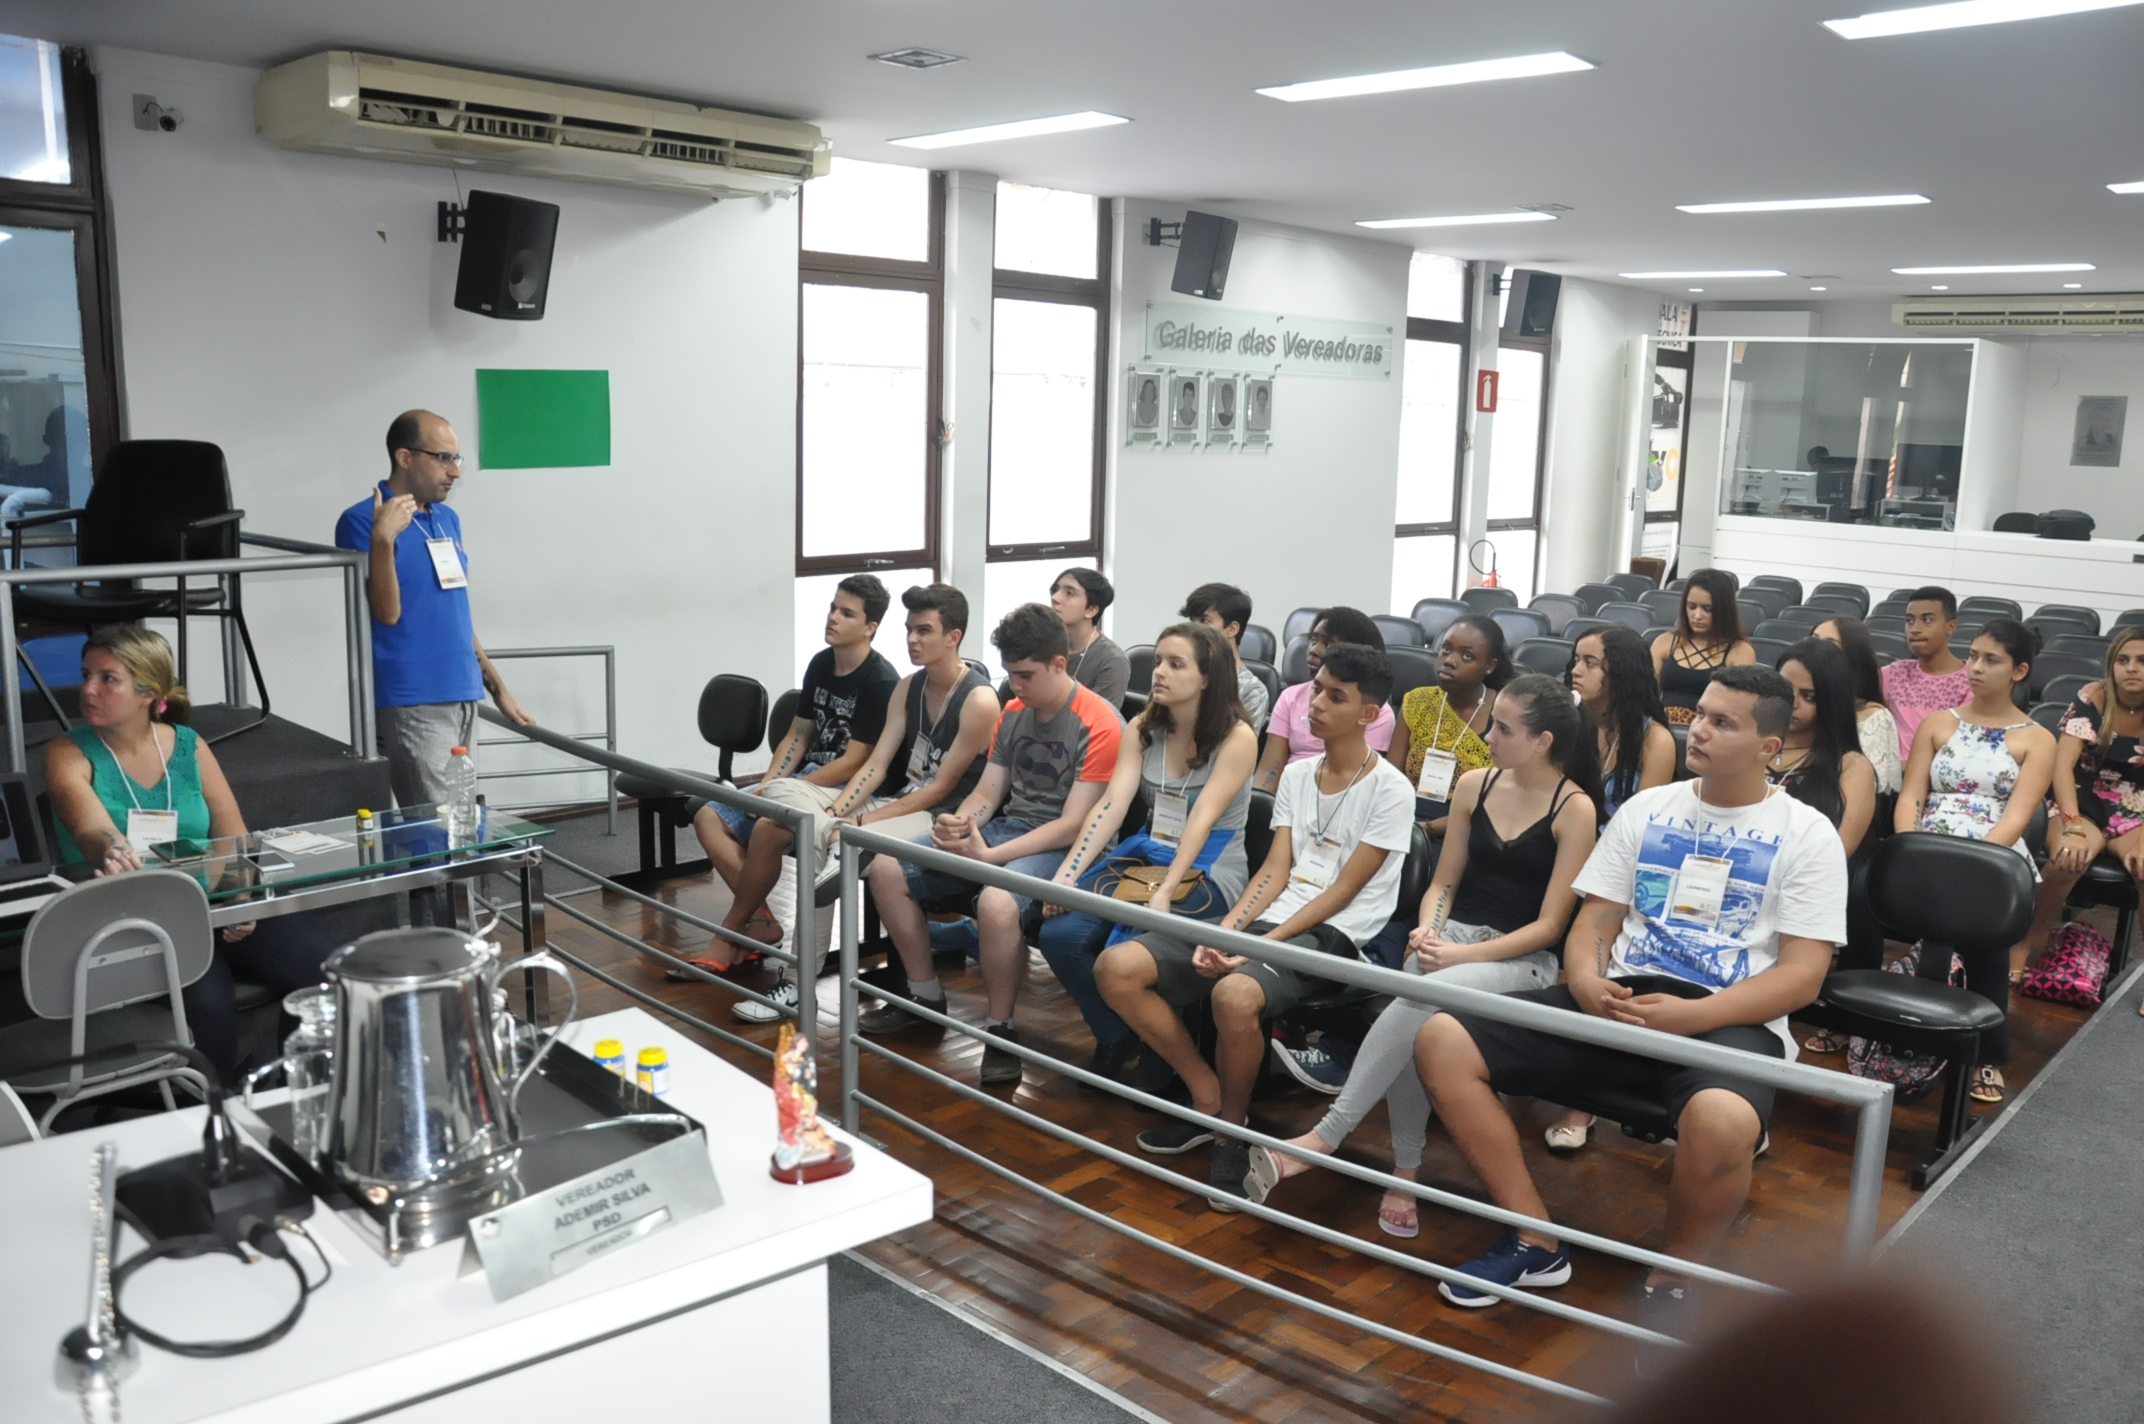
(1797, 205)
(1701, 276)
(1998, 269)
(2137, 187)
(913, 58)
(1921, 18)
(1019, 128)
(1458, 220)
(1436, 76)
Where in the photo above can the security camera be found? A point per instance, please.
(152, 116)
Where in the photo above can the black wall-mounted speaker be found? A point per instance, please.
(1202, 256)
(506, 256)
(1532, 308)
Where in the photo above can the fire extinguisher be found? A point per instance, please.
(1488, 575)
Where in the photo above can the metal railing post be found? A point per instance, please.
(610, 734)
(1864, 1189)
(804, 846)
(851, 930)
(10, 653)
(351, 613)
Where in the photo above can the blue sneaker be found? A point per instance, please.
(1313, 1067)
(955, 937)
(1510, 1262)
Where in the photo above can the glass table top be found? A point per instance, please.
(340, 848)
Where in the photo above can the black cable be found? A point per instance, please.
(264, 1240)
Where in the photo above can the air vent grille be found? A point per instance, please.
(2113, 312)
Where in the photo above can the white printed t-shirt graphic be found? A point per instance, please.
(1378, 811)
(1712, 888)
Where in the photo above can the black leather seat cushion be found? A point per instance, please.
(1903, 999)
(642, 788)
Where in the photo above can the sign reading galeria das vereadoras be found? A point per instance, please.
(1228, 339)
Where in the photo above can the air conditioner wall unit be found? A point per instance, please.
(2106, 312)
(373, 106)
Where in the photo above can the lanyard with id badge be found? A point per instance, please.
(1700, 887)
(1439, 768)
(446, 559)
(1318, 863)
(146, 828)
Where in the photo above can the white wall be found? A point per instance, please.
(287, 305)
(2057, 371)
(1589, 394)
(1308, 522)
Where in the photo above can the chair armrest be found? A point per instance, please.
(31, 521)
(205, 522)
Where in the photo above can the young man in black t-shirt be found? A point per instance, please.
(841, 713)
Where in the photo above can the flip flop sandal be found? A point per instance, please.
(1987, 1085)
(679, 976)
(1406, 1228)
(1565, 1138)
(1825, 1042)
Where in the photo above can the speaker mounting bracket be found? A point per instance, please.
(453, 219)
(1156, 230)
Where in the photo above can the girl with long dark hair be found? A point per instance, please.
(1191, 752)
(1821, 763)
(1707, 637)
(1614, 681)
(1494, 918)
(1441, 729)
(1873, 723)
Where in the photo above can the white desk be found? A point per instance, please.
(723, 1316)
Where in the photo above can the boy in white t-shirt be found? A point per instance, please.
(1712, 909)
(1342, 826)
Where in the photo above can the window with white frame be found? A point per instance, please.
(1433, 385)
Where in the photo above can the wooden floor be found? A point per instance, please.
(1190, 1346)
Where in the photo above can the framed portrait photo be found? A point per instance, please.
(2097, 437)
(1185, 397)
(1224, 413)
(1144, 389)
(1256, 400)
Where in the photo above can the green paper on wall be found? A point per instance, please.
(542, 420)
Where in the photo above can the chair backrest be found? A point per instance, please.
(2051, 626)
(1786, 630)
(1631, 615)
(1268, 675)
(1792, 587)
(1832, 605)
(1769, 649)
(1681, 733)
(1399, 632)
(2049, 666)
(16, 1124)
(1593, 595)
(144, 492)
(1416, 872)
(1481, 600)
(1774, 601)
(1299, 623)
(1411, 668)
(2076, 611)
(2089, 645)
(128, 965)
(1665, 607)
(1890, 647)
(2130, 618)
(1753, 611)
(783, 716)
(2063, 690)
(1988, 607)
(2017, 521)
(1551, 656)
(2049, 714)
(1434, 615)
(1631, 585)
(1258, 829)
(1519, 623)
(733, 715)
(1559, 609)
(1807, 613)
(1986, 899)
(1259, 644)
(1141, 657)
(1578, 627)
(1853, 591)
(1295, 662)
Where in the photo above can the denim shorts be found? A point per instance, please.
(939, 891)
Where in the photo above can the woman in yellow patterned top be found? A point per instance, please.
(1440, 729)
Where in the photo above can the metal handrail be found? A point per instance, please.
(608, 736)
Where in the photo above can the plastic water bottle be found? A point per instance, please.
(461, 811)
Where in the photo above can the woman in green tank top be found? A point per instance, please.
(134, 775)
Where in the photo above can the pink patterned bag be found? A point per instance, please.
(2074, 968)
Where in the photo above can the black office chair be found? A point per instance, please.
(2130, 618)
(1268, 677)
(1664, 607)
(1434, 615)
(1299, 623)
(1655, 633)
(1774, 601)
(1559, 609)
(2049, 714)
(2084, 645)
(2086, 616)
(1810, 614)
(1398, 632)
(1141, 681)
(1295, 662)
(154, 501)
(1890, 647)
(1788, 630)
(1853, 592)
(2050, 626)
(1520, 623)
(1483, 600)
(1631, 586)
(1593, 595)
(1680, 731)
(1411, 668)
(1258, 644)
(1985, 607)
(1986, 903)
(2017, 521)
(1550, 656)
(1791, 587)
(1769, 649)
(2049, 666)
(1578, 627)
(1630, 615)
(734, 720)
(2063, 690)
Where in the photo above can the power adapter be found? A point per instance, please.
(226, 1190)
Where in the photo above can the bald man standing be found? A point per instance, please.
(428, 669)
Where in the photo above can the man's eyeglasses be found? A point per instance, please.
(444, 457)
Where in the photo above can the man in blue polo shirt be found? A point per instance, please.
(428, 670)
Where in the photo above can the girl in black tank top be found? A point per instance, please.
(1506, 880)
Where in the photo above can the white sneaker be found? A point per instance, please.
(751, 1011)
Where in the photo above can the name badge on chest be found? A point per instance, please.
(1171, 810)
(1319, 864)
(1439, 771)
(446, 563)
(150, 828)
(1700, 888)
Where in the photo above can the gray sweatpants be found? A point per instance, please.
(418, 743)
(1384, 1066)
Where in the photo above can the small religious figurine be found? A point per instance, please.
(803, 1152)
